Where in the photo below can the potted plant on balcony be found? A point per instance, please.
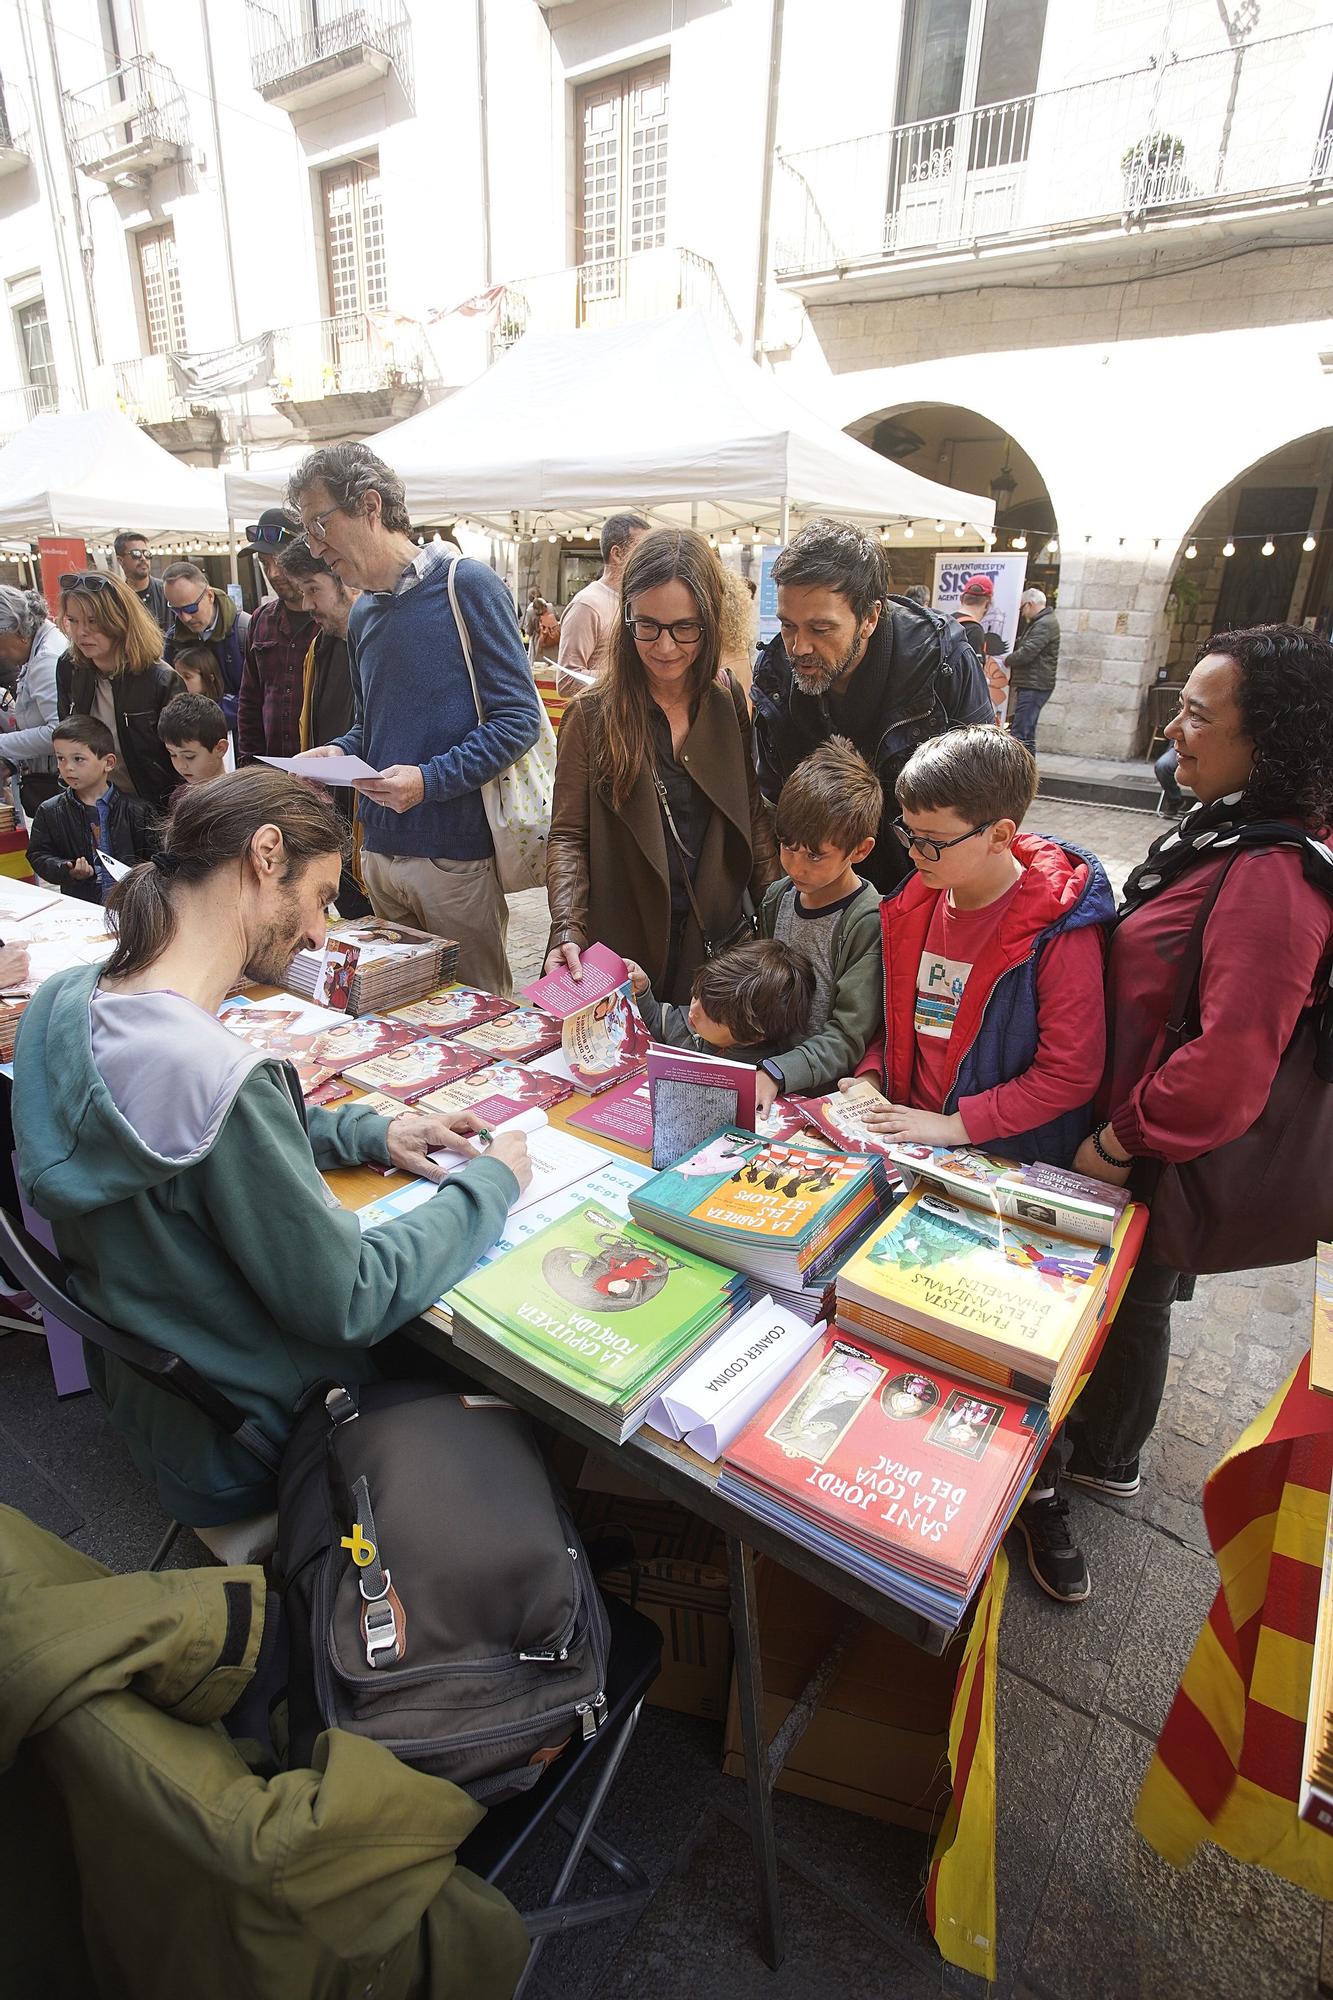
(1154, 170)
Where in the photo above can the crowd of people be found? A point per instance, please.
(821, 866)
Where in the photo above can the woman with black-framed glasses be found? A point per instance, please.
(658, 830)
(114, 671)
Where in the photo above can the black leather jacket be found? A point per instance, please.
(140, 699)
(919, 677)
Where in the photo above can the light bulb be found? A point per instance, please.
(884, 534)
(1308, 544)
(939, 527)
(959, 531)
(1019, 542)
(1228, 547)
(1269, 548)
(1052, 547)
(1190, 552)
(908, 532)
(553, 538)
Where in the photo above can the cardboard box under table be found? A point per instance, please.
(878, 1742)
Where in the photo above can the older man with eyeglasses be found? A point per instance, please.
(427, 853)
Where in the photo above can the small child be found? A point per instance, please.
(994, 1016)
(198, 668)
(67, 830)
(827, 818)
(194, 730)
(752, 1000)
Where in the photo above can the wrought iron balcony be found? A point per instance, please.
(1180, 138)
(363, 370)
(303, 52)
(616, 291)
(19, 406)
(128, 123)
(14, 154)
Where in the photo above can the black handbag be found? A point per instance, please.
(1267, 1196)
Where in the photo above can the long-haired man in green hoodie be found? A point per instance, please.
(180, 1170)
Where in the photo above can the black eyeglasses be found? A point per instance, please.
(88, 579)
(685, 631)
(931, 850)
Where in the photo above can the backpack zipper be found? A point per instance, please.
(591, 1714)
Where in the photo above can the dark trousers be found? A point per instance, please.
(1164, 770)
(1028, 705)
(1114, 1416)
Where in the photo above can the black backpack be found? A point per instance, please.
(437, 1595)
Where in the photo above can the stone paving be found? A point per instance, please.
(1086, 1910)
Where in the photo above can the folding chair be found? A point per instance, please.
(506, 1835)
(34, 1266)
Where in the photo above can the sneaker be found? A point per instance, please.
(1056, 1564)
(1083, 1470)
(20, 1313)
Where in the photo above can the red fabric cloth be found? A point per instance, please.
(1070, 1051)
(1265, 957)
(268, 714)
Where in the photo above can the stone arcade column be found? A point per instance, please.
(1113, 637)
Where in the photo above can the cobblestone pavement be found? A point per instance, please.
(1086, 1910)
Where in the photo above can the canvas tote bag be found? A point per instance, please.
(517, 801)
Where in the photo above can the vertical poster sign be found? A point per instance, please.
(58, 554)
(1007, 574)
(768, 594)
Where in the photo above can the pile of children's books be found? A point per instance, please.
(780, 1211)
(367, 966)
(962, 1329)
(594, 1314)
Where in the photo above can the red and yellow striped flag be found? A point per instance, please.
(960, 1888)
(1228, 1762)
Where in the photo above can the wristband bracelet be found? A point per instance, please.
(1101, 1152)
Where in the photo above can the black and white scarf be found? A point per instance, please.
(1216, 828)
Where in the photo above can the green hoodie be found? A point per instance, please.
(181, 1176)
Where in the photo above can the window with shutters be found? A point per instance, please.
(160, 290)
(39, 364)
(354, 237)
(622, 126)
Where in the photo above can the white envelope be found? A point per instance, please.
(711, 1401)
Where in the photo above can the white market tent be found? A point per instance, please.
(92, 472)
(668, 416)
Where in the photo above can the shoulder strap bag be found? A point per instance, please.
(517, 801)
(1266, 1197)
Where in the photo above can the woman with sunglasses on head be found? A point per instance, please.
(114, 670)
(657, 829)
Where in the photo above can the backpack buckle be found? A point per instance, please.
(379, 1627)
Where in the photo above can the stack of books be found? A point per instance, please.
(991, 1299)
(779, 1211)
(1052, 1197)
(897, 1472)
(393, 964)
(454, 1009)
(594, 1315)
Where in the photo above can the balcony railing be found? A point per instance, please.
(1182, 135)
(304, 51)
(20, 405)
(129, 122)
(616, 291)
(353, 354)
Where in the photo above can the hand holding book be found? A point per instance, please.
(901, 1122)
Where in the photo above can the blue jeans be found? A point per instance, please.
(1028, 705)
(1164, 770)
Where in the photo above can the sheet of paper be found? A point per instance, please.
(117, 870)
(710, 1402)
(326, 770)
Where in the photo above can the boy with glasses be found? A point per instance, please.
(994, 1015)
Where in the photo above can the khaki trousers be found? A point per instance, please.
(455, 899)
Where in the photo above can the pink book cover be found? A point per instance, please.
(522, 1033)
(454, 1010)
(360, 1040)
(694, 1096)
(499, 1091)
(408, 1073)
(624, 1113)
(560, 994)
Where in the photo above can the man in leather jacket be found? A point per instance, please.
(852, 661)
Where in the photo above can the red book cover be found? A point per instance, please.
(499, 1091)
(905, 1460)
(410, 1072)
(454, 1010)
(517, 1036)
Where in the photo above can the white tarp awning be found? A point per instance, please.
(667, 415)
(93, 472)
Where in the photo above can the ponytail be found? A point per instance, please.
(211, 829)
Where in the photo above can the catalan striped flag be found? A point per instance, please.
(1227, 1768)
(960, 1888)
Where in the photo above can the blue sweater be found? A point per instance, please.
(414, 706)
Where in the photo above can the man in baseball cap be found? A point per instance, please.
(973, 605)
(268, 722)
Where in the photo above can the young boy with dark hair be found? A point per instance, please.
(994, 1017)
(827, 820)
(91, 814)
(194, 730)
(749, 1001)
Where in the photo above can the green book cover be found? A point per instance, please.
(599, 1296)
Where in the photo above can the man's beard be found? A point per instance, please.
(811, 676)
(277, 945)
